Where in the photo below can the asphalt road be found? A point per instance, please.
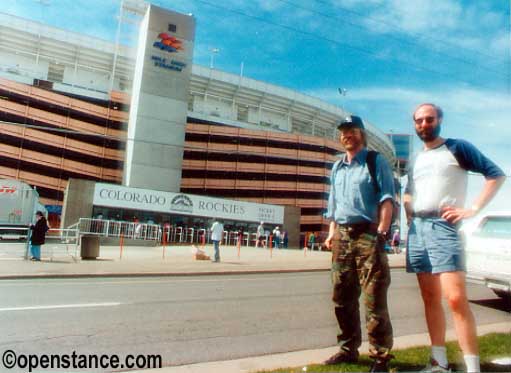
(195, 319)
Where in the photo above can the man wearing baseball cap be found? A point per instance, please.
(360, 208)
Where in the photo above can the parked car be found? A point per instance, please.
(488, 252)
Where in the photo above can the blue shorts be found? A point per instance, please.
(434, 246)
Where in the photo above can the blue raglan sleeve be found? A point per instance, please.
(330, 213)
(384, 179)
(471, 159)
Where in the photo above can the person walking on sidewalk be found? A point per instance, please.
(395, 242)
(434, 202)
(312, 240)
(217, 232)
(360, 208)
(38, 236)
(276, 237)
(260, 236)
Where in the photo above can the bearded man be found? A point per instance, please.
(435, 206)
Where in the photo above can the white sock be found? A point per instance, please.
(439, 353)
(472, 363)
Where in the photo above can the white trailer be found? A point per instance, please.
(18, 205)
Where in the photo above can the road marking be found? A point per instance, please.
(58, 306)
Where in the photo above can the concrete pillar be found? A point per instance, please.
(292, 225)
(159, 102)
(78, 198)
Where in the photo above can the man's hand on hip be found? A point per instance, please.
(454, 214)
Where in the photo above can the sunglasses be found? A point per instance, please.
(428, 120)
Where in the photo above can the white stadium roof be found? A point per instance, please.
(28, 41)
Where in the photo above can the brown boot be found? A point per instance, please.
(342, 357)
(380, 366)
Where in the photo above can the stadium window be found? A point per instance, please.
(172, 27)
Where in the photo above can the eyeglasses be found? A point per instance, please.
(428, 120)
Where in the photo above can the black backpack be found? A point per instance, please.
(371, 167)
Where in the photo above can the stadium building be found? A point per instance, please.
(65, 108)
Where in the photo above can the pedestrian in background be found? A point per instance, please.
(312, 240)
(285, 239)
(217, 232)
(276, 237)
(260, 236)
(360, 208)
(435, 206)
(394, 243)
(240, 235)
(38, 236)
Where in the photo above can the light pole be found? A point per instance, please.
(342, 92)
(212, 60)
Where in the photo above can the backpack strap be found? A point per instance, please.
(371, 167)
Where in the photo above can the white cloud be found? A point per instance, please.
(356, 3)
(500, 43)
(408, 16)
(477, 114)
(434, 22)
(269, 5)
(459, 98)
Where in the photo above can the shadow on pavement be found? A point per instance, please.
(489, 367)
(485, 367)
(405, 367)
(99, 260)
(44, 260)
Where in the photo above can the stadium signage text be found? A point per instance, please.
(228, 208)
(164, 63)
(117, 196)
(129, 196)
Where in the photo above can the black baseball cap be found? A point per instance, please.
(351, 121)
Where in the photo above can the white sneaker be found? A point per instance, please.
(434, 367)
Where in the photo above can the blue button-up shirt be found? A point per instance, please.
(352, 196)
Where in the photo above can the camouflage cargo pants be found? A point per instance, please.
(360, 263)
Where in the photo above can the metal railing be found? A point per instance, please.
(155, 232)
(14, 233)
(57, 241)
(128, 230)
(178, 234)
(63, 241)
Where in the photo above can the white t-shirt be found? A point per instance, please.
(260, 231)
(438, 177)
(217, 231)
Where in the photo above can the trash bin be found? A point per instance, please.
(89, 247)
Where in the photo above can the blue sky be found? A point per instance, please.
(390, 55)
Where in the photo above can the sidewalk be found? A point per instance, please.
(157, 261)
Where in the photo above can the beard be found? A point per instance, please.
(353, 145)
(430, 134)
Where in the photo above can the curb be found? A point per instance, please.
(163, 274)
(157, 274)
